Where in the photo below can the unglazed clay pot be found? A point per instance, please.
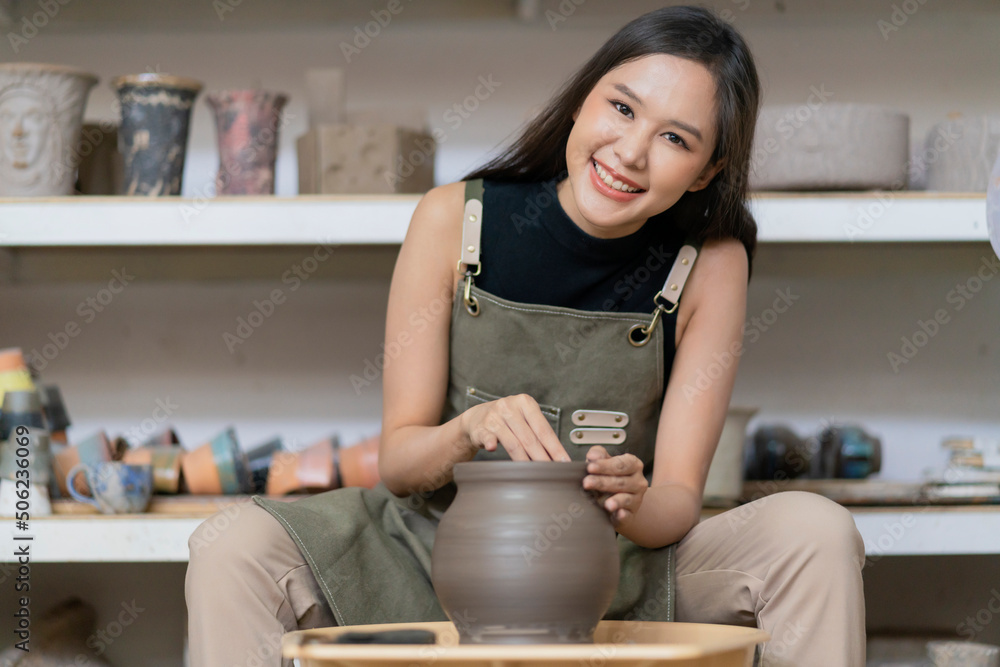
(41, 113)
(524, 555)
(359, 463)
(152, 138)
(312, 469)
(200, 474)
(247, 123)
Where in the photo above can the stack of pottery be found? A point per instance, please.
(14, 373)
(247, 123)
(152, 138)
(25, 465)
(24, 454)
(41, 113)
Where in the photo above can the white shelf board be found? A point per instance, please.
(162, 538)
(369, 219)
(173, 221)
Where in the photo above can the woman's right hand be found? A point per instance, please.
(517, 424)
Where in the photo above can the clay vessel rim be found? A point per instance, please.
(49, 67)
(247, 91)
(154, 79)
(520, 471)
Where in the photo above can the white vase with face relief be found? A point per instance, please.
(41, 114)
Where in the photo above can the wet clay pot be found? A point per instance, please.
(358, 463)
(524, 555)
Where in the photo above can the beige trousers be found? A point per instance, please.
(789, 563)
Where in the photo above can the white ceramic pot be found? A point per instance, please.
(830, 146)
(959, 153)
(725, 476)
(41, 113)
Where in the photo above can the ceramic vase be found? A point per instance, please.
(247, 122)
(41, 113)
(524, 555)
(152, 137)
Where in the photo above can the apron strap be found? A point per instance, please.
(679, 272)
(668, 298)
(472, 227)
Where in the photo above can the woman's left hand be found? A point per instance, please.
(618, 479)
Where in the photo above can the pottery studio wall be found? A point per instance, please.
(825, 359)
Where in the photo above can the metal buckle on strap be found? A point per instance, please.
(471, 302)
(647, 331)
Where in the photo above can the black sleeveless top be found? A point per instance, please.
(533, 253)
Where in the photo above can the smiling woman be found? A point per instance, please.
(567, 338)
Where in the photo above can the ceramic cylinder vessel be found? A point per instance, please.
(41, 113)
(524, 555)
(959, 153)
(825, 145)
(152, 138)
(247, 123)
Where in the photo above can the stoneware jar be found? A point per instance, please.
(156, 113)
(247, 123)
(41, 114)
(524, 555)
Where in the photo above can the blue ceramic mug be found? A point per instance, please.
(118, 488)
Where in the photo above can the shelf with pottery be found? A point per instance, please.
(383, 219)
(163, 536)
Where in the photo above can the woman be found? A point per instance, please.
(574, 249)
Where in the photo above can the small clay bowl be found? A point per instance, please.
(200, 473)
(359, 463)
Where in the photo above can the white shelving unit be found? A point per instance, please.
(358, 220)
(917, 531)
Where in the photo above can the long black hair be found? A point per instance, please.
(694, 33)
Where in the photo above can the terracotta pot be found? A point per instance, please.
(312, 469)
(156, 112)
(200, 473)
(41, 113)
(283, 477)
(359, 463)
(524, 555)
(247, 122)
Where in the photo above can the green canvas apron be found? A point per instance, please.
(598, 378)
